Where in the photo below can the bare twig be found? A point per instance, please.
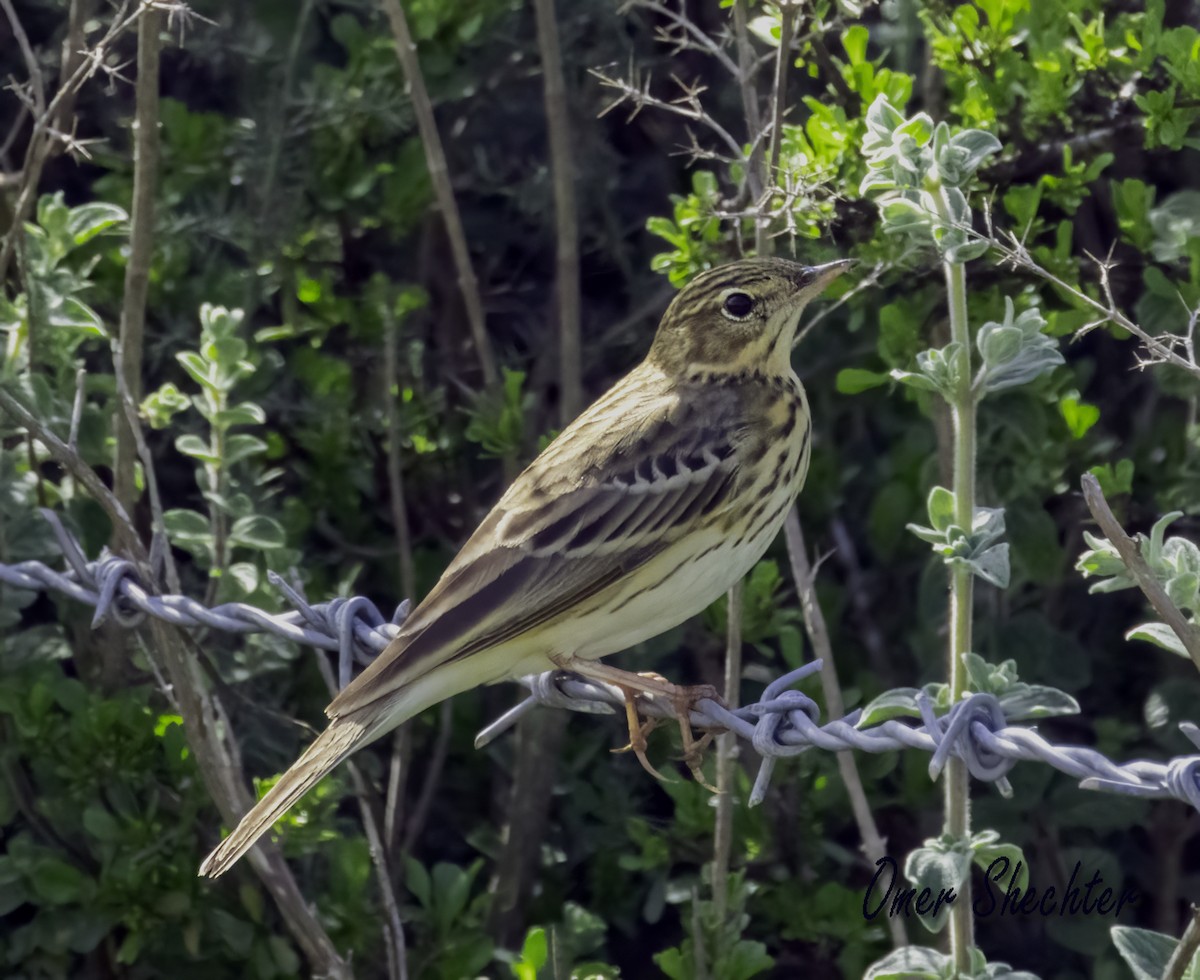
(562, 167)
(873, 843)
(787, 21)
(160, 545)
(755, 176)
(204, 719)
(1160, 348)
(31, 66)
(280, 115)
(71, 55)
(77, 406)
(691, 35)
(525, 827)
(866, 282)
(45, 135)
(727, 753)
(75, 465)
(393, 928)
(415, 823)
(636, 91)
(439, 175)
(395, 472)
(1189, 943)
(540, 734)
(1131, 556)
(141, 245)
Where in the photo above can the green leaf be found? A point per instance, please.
(854, 41)
(56, 882)
(938, 867)
(1114, 480)
(258, 532)
(977, 146)
(199, 369)
(851, 381)
(910, 963)
(991, 566)
(245, 414)
(192, 445)
(747, 959)
(533, 955)
(89, 220)
(187, 526)
(101, 824)
(240, 446)
(1161, 635)
(940, 506)
(416, 880)
(1027, 702)
(1146, 953)
(987, 851)
(900, 702)
(1079, 415)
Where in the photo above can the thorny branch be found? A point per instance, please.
(1131, 555)
(48, 132)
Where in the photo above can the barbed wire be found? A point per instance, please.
(782, 723)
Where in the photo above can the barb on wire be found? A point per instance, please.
(782, 723)
(355, 628)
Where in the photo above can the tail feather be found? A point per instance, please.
(341, 738)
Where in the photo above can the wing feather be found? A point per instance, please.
(566, 530)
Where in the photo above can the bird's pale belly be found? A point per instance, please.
(667, 591)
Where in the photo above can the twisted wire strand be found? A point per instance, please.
(782, 723)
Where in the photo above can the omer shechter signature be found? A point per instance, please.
(1078, 897)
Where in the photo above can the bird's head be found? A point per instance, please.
(740, 317)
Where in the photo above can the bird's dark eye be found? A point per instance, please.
(738, 305)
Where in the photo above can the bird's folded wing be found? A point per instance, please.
(565, 531)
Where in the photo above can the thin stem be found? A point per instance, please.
(787, 23)
(1131, 555)
(141, 245)
(727, 762)
(962, 589)
(750, 107)
(1184, 953)
(443, 190)
(395, 471)
(205, 722)
(873, 843)
(42, 139)
(562, 168)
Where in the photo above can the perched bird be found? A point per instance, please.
(644, 510)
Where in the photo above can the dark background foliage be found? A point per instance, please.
(293, 187)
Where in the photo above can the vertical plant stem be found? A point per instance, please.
(750, 106)
(962, 588)
(141, 245)
(443, 190)
(205, 722)
(395, 472)
(540, 735)
(787, 22)
(727, 752)
(562, 168)
(873, 843)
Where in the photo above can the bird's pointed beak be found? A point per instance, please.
(821, 276)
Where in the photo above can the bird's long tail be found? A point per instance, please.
(342, 737)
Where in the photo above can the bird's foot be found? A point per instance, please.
(638, 730)
(683, 700)
(648, 684)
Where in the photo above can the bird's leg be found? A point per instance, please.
(683, 699)
(680, 697)
(638, 730)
